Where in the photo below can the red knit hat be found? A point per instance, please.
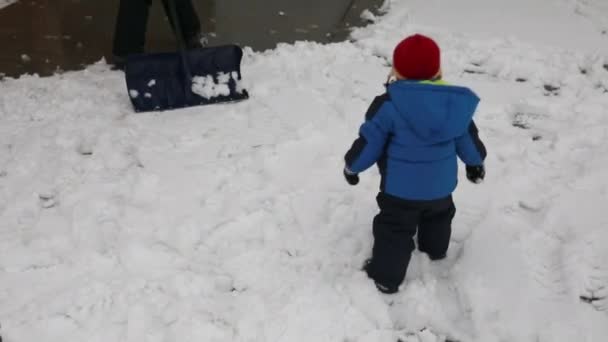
(417, 57)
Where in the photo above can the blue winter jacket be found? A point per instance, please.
(414, 133)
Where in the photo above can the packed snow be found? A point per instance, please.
(233, 222)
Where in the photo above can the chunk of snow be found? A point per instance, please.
(223, 78)
(368, 16)
(207, 87)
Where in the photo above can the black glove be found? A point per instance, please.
(476, 174)
(351, 178)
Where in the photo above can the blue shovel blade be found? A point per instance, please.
(157, 82)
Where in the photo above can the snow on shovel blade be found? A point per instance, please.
(159, 81)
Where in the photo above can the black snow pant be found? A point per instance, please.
(132, 22)
(394, 229)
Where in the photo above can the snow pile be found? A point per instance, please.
(539, 22)
(233, 223)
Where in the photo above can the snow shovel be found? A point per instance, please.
(164, 81)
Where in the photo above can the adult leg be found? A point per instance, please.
(131, 25)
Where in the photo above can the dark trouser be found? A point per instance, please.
(394, 230)
(132, 22)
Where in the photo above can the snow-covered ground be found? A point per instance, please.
(233, 222)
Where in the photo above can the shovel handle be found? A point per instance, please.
(177, 30)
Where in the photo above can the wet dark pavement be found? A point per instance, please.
(48, 36)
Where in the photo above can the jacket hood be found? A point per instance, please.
(434, 112)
